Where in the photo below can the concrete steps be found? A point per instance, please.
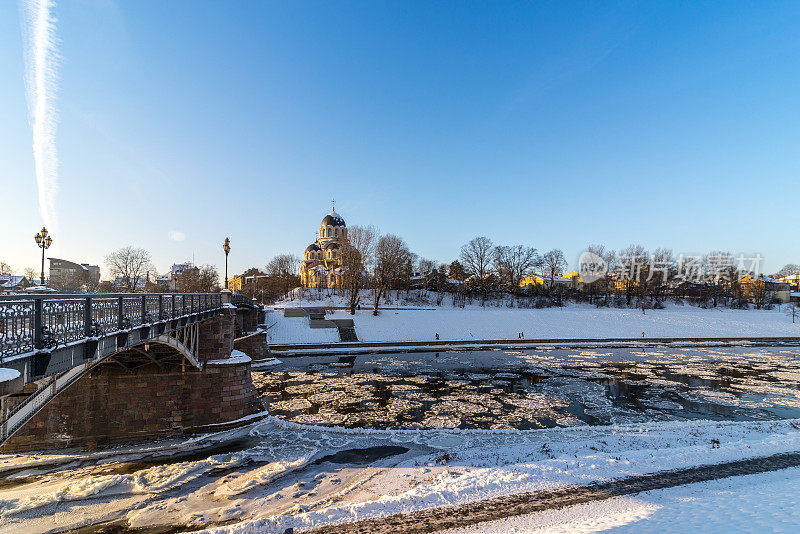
(347, 330)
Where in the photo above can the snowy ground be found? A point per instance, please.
(765, 502)
(570, 322)
(276, 474)
(281, 476)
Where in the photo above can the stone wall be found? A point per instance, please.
(216, 336)
(254, 345)
(111, 404)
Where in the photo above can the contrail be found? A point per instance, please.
(41, 66)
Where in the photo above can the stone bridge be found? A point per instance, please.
(104, 368)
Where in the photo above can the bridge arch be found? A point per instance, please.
(164, 385)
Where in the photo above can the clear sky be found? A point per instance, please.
(551, 124)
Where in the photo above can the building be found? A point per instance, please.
(169, 281)
(121, 284)
(764, 289)
(67, 273)
(10, 283)
(249, 280)
(322, 262)
(793, 280)
(236, 283)
(569, 280)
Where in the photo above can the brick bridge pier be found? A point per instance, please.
(153, 387)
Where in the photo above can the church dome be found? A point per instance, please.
(313, 247)
(331, 245)
(333, 219)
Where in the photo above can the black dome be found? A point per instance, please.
(312, 247)
(333, 219)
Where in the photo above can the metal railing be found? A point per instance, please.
(241, 300)
(30, 323)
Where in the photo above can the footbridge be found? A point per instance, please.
(109, 367)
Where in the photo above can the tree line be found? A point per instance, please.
(483, 271)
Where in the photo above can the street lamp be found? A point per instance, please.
(227, 248)
(43, 241)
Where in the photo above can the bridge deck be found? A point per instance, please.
(41, 336)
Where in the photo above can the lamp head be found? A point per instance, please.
(226, 246)
(48, 241)
(44, 232)
(38, 238)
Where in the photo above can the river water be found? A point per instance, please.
(537, 388)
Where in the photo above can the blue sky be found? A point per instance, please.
(554, 125)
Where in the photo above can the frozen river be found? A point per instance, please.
(538, 388)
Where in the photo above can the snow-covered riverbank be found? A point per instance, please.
(575, 321)
(765, 502)
(285, 476)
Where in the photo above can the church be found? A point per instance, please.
(322, 262)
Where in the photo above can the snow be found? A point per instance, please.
(237, 357)
(765, 502)
(274, 482)
(7, 375)
(579, 321)
(490, 463)
(266, 362)
(40, 289)
(292, 329)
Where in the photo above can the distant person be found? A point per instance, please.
(437, 336)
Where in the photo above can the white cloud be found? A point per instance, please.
(175, 235)
(41, 66)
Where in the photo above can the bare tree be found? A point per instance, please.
(391, 258)
(285, 267)
(722, 276)
(514, 263)
(5, 269)
(427, 266)
(553, 263)
(130, 265)
(208, 279)
(632, 268)
(476, 257)
(188, 280)
(788, 270)
(30, 273)
(661, 271)
(604, 283)
(357, 253)
(427, 269)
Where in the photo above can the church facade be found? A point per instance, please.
(322, 262)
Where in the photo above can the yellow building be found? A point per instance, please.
(235, 283)
(764, 289)
(322, 263)
(572, 280)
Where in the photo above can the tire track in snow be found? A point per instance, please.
(449, 517)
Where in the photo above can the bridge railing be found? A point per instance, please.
(34, 322)
(241, 300)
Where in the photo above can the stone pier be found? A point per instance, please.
(130, 397)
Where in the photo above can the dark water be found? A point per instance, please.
(537, 388)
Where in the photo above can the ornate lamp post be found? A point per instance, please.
(43, 241)
(227, 248)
